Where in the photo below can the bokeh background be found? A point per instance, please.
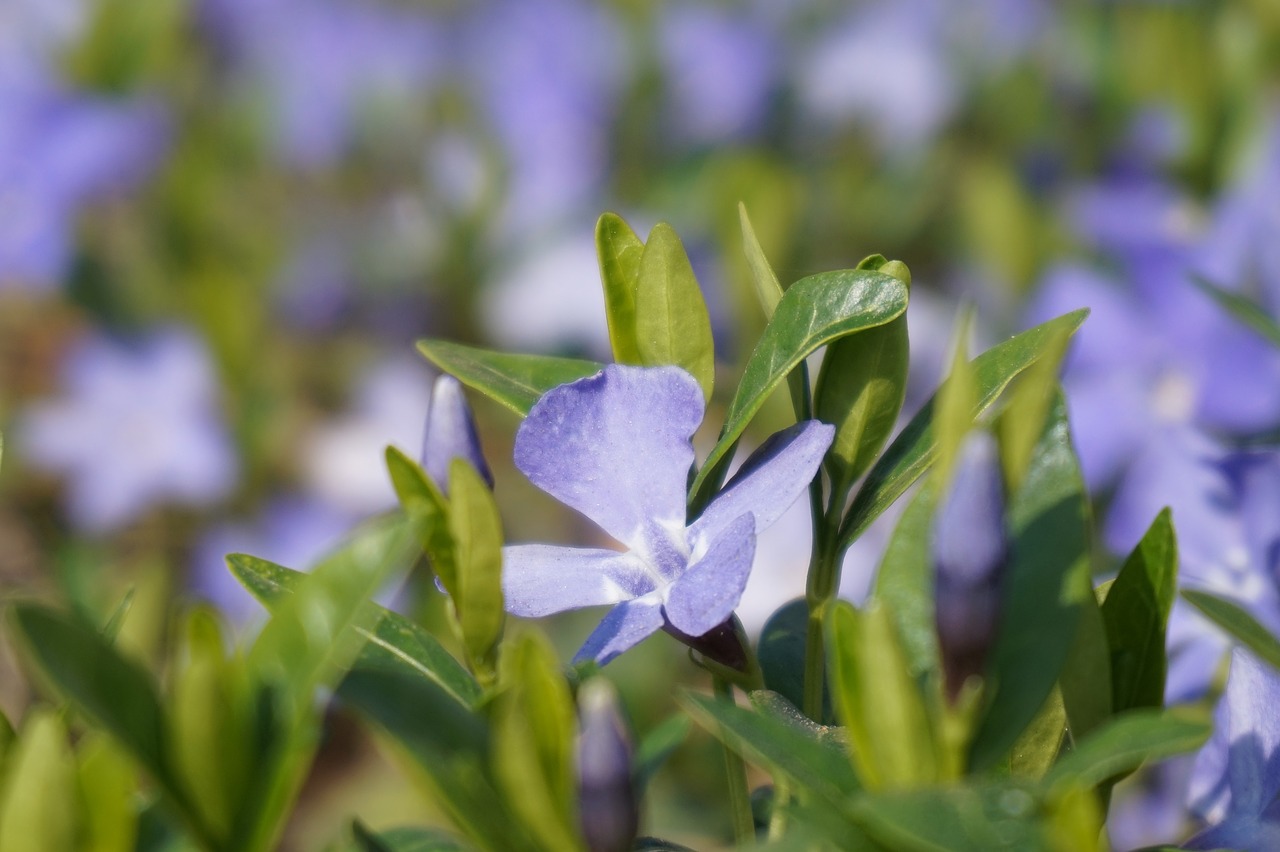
(223, 224)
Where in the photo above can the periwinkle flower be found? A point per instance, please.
(1236, 778)
(451, 433)
(607, 802)
(617, 447)
(970, 553)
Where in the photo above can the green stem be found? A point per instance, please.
(824, 576)
(739, 799)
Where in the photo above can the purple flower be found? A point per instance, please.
(451, 434)
(607, 806)
(617, 447)
(1236, 778)
(139, 425)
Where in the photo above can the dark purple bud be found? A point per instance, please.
(451, 433)
(970, 554)
(607, 806)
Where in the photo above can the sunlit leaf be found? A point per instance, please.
(619, 250)
(672, 324)
(1125, 743)
(516, 381)
(1237, 621)
(476, 530)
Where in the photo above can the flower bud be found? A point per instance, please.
(970, 553)
(607, 807)
(451, 433)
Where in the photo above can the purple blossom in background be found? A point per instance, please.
(720, 66)
(138, 425)
(1147, 809)
(1236, 778)
(451, 434)
(321, 66)
(60, 150)
(617, 447)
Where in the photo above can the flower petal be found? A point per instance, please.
(616, 447)
(769, 481)
(539, 579)
(708, 592)
(626, 625)
(451, 433)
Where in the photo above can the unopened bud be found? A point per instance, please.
(451, 433)
(970, 554)
(607, 807)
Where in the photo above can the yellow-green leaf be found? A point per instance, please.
(672, 324)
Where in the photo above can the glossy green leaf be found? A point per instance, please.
(403, 840)
(911, 453)
(394, 643)
(1047, 585)
(1125, 743)
(449, 748)
(781, 655)
(476, 530)
(672, 324)
(768, 288)
(619, 251)
(1237, 621)
(423, 501)
(879, 701)
(533, 742)
(39, 800)
(905, 583)
(810, 758)
(813, 312)
(1245, 311)
(1136, 612)
(516, 381)
(109, 785)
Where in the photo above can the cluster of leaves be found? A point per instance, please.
(845, 709)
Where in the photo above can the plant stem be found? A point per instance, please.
(739, 799)
(822, 581)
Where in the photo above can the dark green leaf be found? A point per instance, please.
(1045, 589)
(1085, 681)
(913, 450)
(813, 312)
(619, 251)
(1124, 743)
(807, 756)
(1245, 311)
(516, 381)
(781, 655)
(656, 747)
(905, 582)
(672, 324)
(403, 840)
(654, 844)
(1136, 612)
(1234, 619)
(394, 644)
(1038, 746)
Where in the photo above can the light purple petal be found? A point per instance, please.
(708, 592)
(616, 447)
(768, 483)
(539, 579)
(626, 625)
(451, 433)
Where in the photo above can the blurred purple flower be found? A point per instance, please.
(616, 446)
(451, 434)
(720, 66)
(323, 66)
(139, 425)
(1148, 809)
(608, 809)
(60, 150)
(1236, 778)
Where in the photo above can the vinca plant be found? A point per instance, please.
(990, 692)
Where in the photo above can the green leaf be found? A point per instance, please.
(1046, 588)
(1237, 621)
(476, 530)
(516, 381)
(394, 644)
(449, 747)
(619, 251)
(879, 701)
(109, 787)
(1038, 746)
(914, 449)
(1136, 613)
(403, 840)
(1030, 399)
(905, 583)
(656, 747)
(790, 747)
(39, 801)
(768, 288)
(423, 501)
(533, 742)
(813, 312)
(781, 655)
(109, 688)
(1124, 743)
(672, 324)
(1085, 681)
(956, 400)
(1245, 311)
